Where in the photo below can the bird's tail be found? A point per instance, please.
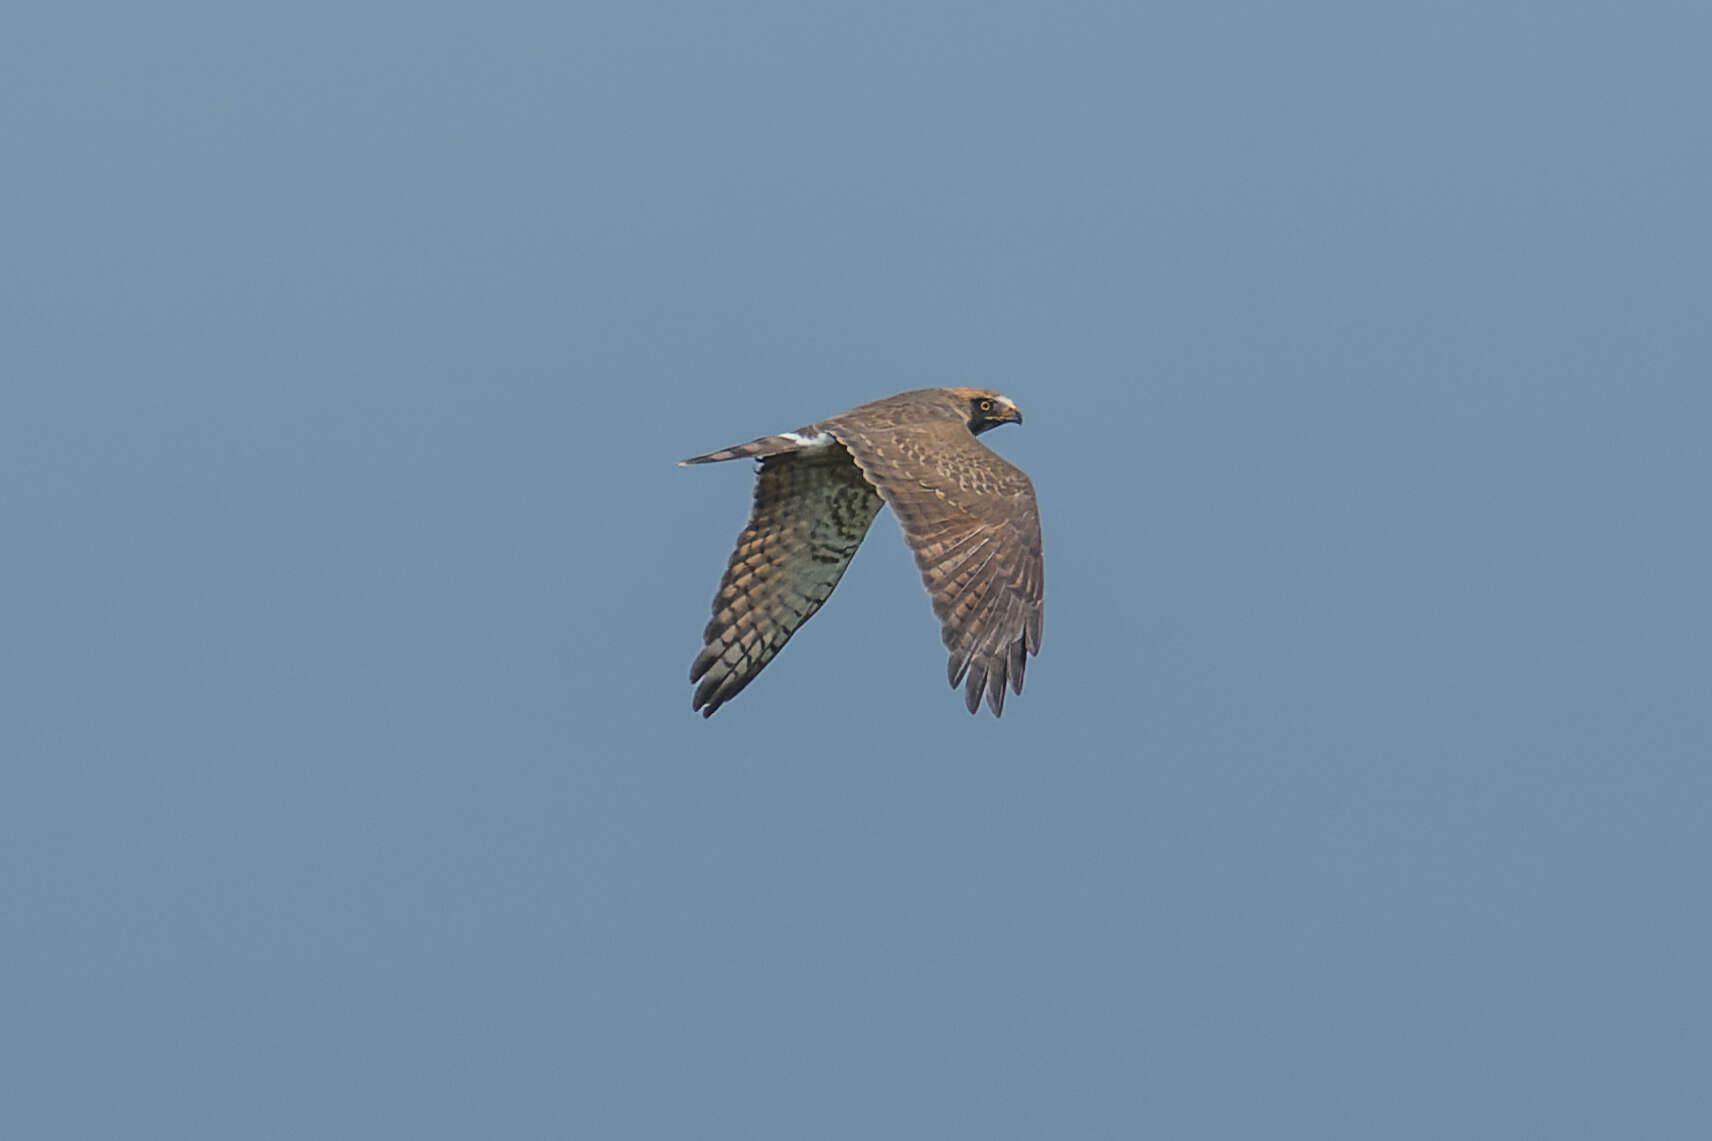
(765, 446)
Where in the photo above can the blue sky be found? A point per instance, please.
(351, 786)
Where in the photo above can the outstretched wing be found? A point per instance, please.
(812, 508)
(970, 519)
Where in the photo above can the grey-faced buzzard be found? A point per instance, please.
(968, 516)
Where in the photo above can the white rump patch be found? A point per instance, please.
(818, 440)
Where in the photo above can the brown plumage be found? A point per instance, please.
(968, 516)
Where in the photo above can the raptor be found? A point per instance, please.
(968, 516)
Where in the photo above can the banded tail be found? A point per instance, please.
(765, 446)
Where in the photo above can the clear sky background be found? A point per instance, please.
(350, 783)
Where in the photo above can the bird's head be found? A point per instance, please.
(987, 409)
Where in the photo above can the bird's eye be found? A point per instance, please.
(986, 405)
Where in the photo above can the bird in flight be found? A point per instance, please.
(968, 516)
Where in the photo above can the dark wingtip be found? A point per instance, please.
(977, 685)
(996, 688)
(707, 696)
